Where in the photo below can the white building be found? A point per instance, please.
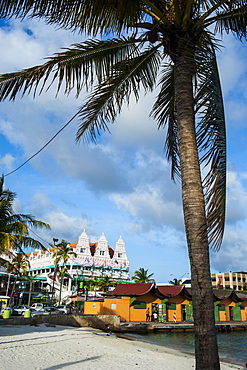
(230, 280)
(92, 260)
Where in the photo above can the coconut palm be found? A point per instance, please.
(31, 279)
(143, 45)
(62, 253)
(105, 282)
(14, 233)
(175, 281)
(18, 266)
(142, 276)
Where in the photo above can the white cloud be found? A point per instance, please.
(236, 198)
(7, 161)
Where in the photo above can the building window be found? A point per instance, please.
(82, 250)
(221, 307)
(213, 278)
(120, 255)
(94, 305)
(170, 306)
(139, 305)
(102, 253)
(113, 306)
(234, 278)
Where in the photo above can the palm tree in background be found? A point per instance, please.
(31, 279)
(142, 276)
(18, 266)
(175, 281)
(143, 45)
(14, 232)
(62, 253)
(105, 282)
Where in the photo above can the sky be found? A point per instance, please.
(122, 185)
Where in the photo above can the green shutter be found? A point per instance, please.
(221, 307)
(139, 305)
(216, 311)
(236, 313)
(170, 306)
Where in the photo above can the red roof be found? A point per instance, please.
(170, 290)
(134, 289)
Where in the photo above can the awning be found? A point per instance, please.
(87, 265)
(78, 299)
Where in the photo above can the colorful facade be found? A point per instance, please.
(170, 303)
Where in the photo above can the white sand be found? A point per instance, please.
(61, 347)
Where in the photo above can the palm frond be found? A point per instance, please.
(90, 16)
(105, 103)
(231, 18)
(164, 112)
(211, 139)
(75, 67)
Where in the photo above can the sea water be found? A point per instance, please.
(232, 345)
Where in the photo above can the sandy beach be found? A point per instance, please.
(61, 347)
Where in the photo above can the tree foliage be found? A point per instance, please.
(142, 276)
(14, 228)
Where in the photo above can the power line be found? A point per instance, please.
(43, 147)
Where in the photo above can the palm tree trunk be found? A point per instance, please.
(30, 292)
(206, 350)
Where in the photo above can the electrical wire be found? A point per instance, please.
(43, 147)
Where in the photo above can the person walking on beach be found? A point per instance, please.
(148, 315)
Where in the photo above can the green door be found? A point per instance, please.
(162, 312)
(189, 312)
(236, 313)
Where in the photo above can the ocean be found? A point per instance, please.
(232, 345)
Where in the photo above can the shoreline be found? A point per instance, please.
(132, 337)
(45, 347)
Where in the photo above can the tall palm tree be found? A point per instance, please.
(180, 59)
(18, 266)
(62, 253)
(14, 233)
(31, 279)
(142, 276)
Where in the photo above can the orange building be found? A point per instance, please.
(164, 303)
(132, 302)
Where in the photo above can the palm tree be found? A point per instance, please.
(104, 283)
(14, 233)
(31, 280)
(179, 59)
(62, 253)
(141, 276)
(175, 281)
(18, 266)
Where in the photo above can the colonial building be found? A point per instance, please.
(230, 280)
(92, 260)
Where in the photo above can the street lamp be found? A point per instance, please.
(55, 270)
(180, 278)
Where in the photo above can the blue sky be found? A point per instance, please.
(122, 185)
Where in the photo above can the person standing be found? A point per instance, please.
(148, 315)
